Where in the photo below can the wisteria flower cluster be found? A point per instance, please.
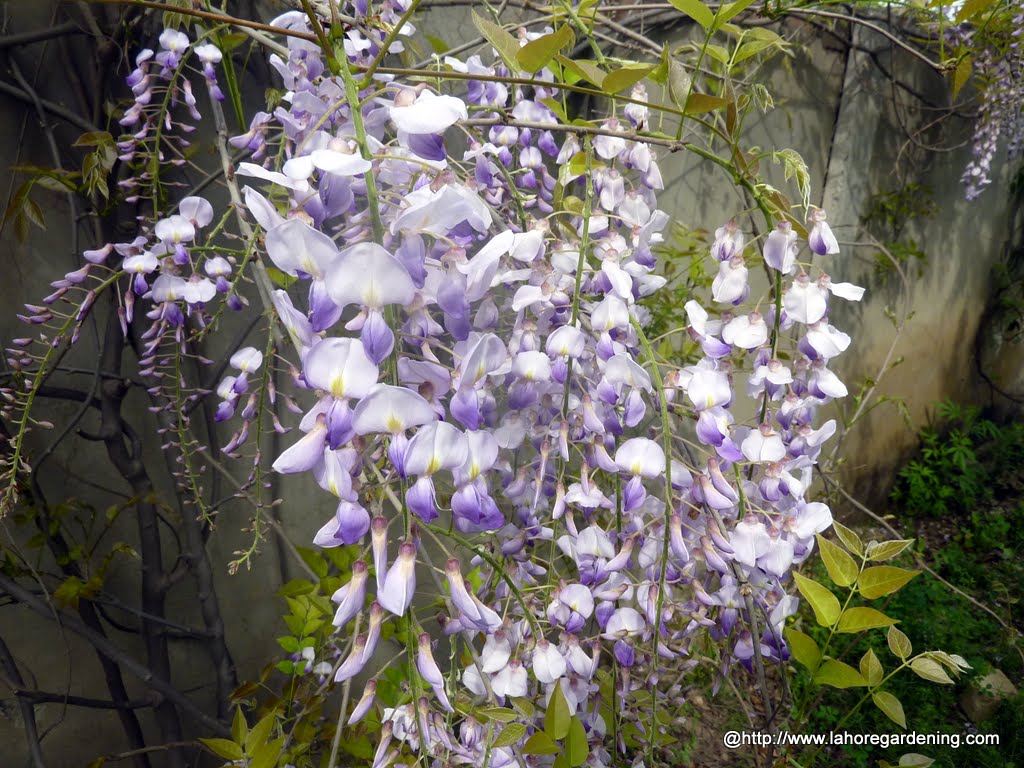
(999, 67)
(470, 337)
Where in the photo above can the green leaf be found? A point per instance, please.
(841, 567)
(540, 744)
(883, 580)
(440, 46)
(69, 591)
(266, 756)
(751, 48)
(887, 550)
(956, 664)
(239, 728)
(228, 42)
(899, 643)
(288, 644)
(584, 70)
(576, 747)
(839, 675)
(930, 669)
(503, 42)
(971, 9)
(536, 54)
(94, 139)
(555, 106)
(279, 278)
(556, 719)
(697, 11)
(678, 83)
(699, 103)
(860, 618)
(360, 747)
(524, 705)
(295, 587)
(803, 648)
(826, 606)
(499, 714)
(718, 53)
(962, 73)
(891, 706)
(510, 734)
(871, 668)
(259, 734)
(316, 562)
(729, 11)
(850, 539)
(224, 748)
(914, 760)
(625, 77)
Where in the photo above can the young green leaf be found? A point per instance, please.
(510, 734)
(584, 70)
(439, 46)
(871, 668)
(576, 747)
(749, 49)
(961, 74)
(697, 11)
(239, 728)
(503, 42)
(625, 77)
(729, 11)
(891, 706)
(699, 103)
(914, 760)
(881, 580)
(224, 748)
(266, 756)
(523, 704)
(839, 675)
(678, 82)
(803, 648)
(555, 106)
(849, 538)
(499, 714)
(887, 550)
(825, 604)
(956, 663)
(899, 643)
(540, 744)
(972, 8)
(841, 567)
(860, 618)
(536, 54)
(556, 719)
(930, 670)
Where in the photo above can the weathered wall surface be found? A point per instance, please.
(823, 101)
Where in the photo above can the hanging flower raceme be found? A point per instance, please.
(473, 356)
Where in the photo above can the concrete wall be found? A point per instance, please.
(837, 113)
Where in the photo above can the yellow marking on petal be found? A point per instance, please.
(434, 465)
(395, 424)
(338, 385)
(370, 295)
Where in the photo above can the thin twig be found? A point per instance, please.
(111, 651)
